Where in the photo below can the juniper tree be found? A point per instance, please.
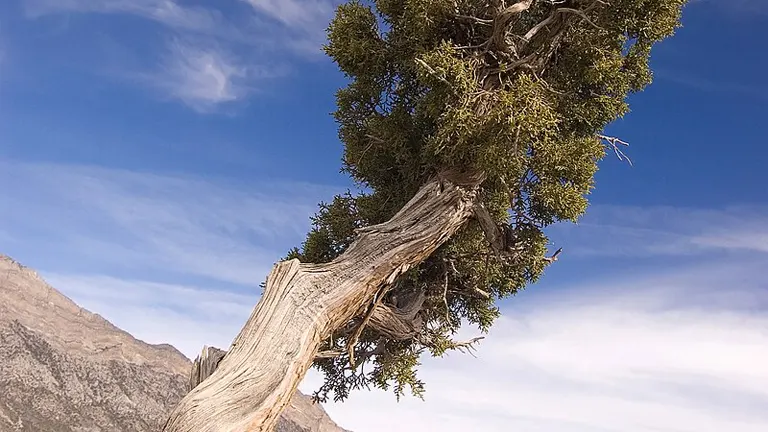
(471, 126)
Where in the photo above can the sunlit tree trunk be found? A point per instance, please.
(303, 304)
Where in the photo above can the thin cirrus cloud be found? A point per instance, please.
(297, 13)
(224, 233)
(212, 57)
(166, 12)
(232, 233)
(737, 7)
(659, 231)
(205, 77)
(305, 15)
(304, 22)
(754, 91)
(238, 53)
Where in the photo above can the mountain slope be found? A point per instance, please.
(65, 369)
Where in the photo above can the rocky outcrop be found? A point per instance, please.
(65, 369)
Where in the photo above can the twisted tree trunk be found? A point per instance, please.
(304, 303)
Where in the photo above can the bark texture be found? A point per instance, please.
(301, 415)
(204, 365)
(303, 304)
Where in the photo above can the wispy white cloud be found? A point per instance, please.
(156, 312)
(297, 13)
(292, 24)
(140, 222)
(206, 77)
(665, 231)
(739, 7)
(216, 56)
(167, 12)
(756, 91)
(304, 21)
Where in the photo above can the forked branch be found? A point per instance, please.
(614, 143)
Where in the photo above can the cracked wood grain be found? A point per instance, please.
(303, 304)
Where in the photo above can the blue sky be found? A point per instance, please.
(159, 155)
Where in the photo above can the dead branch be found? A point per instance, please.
(581, 14)
(506, 51)
(466, 347)
(351, 342)
(553, 257)
(535, 29)
(434, 73)
(493, 234)
(399, 322)
(475, 19)
(329, 354)
(614, 144)
(501, 22)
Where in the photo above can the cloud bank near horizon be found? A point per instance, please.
(676, 350)
(624, 354)
(168, 226)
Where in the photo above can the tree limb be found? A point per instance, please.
(352, 341)
(304, 304)
(399, 323)
(614, 144)
(493, 234)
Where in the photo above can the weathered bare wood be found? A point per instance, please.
(303, 304)
(399, 323)
(492, 232)
(204, 365)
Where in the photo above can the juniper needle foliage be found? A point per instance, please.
(520, 90)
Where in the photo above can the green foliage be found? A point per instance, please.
(434, 84)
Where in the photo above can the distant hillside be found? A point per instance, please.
(65, 369)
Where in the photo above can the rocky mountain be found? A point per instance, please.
(65, 369)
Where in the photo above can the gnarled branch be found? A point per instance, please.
(399, 322)
(303, 304)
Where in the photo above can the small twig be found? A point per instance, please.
(434, 73)
(329, 354)
(582, 15)
(614, 143)
(467, 347)
(475, 19)
(351, 342)
(445, 296)
(553, 258)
